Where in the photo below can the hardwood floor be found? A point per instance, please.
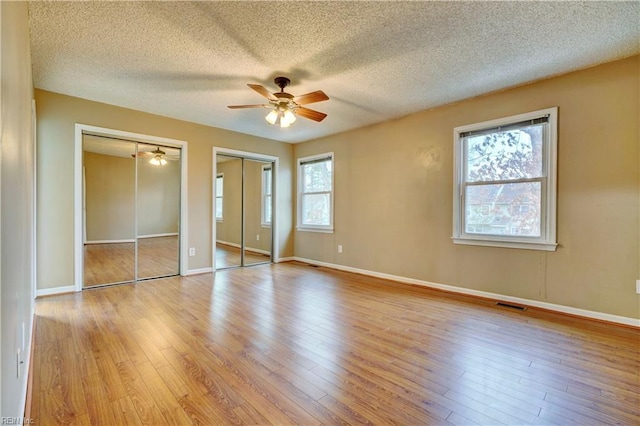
(158, 256)
(293, 344)
(108, 263)
(228, 256)
(115, 263)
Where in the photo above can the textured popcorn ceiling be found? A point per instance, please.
(375, 60)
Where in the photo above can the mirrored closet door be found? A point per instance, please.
(257, 212)
(131, 211)
(158, 211)
(244, 210)
(228, 212)
(109, 205)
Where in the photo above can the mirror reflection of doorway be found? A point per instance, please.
(131, 211)
(244, 210)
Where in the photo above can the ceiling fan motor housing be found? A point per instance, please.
(281, 82)
(285, 100)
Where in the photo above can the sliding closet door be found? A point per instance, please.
(243, 211)
(109, 171)
(257, 211)
(131, 206)
(158, 211)
(228, 211)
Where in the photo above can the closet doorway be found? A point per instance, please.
(132, 207)
(243, 194)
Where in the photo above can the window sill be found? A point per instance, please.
(320, 230)
(265, 225)
(526, 245)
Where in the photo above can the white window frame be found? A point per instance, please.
(547, 239)
(316, 228)
(264, 222)
(219, 197)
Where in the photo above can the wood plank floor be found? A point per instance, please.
(115, 263)
(293, 344)
(109, 263)
(229, 257)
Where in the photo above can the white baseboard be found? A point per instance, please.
(251, 249)
(109, 241)
(55, 290)
(199, 271)
(169, 234)
(284, 259)
(27, 373)
(227, 243)
(259, 251)
(486, 295)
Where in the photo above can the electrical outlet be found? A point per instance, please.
(638, 286)
(258, 237)
(18, 364)
(339, 248)
(192, 251)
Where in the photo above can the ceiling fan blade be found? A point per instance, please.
(248, 106)
(146, 154)
(264, 92)
(310, 114)
(309, 98)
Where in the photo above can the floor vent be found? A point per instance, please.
(509, 305)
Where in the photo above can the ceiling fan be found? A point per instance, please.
(284, 106)
(157, 157)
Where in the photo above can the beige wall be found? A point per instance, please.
(17, 210)
(57, 115)
(158, 198)
(393, 196)
(229, 229)
(110, 197)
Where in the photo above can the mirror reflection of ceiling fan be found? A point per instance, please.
(157, 157)
(284, 106)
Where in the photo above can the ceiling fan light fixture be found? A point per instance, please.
(158, 160)
(285, 118)
(283, 114)
(284, 123)
(272, 117)
(289, 116)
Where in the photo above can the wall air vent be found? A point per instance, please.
(511, 306)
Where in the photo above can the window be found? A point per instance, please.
(505, 182)
(219, 192)
(315, 193)
(266, 195)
